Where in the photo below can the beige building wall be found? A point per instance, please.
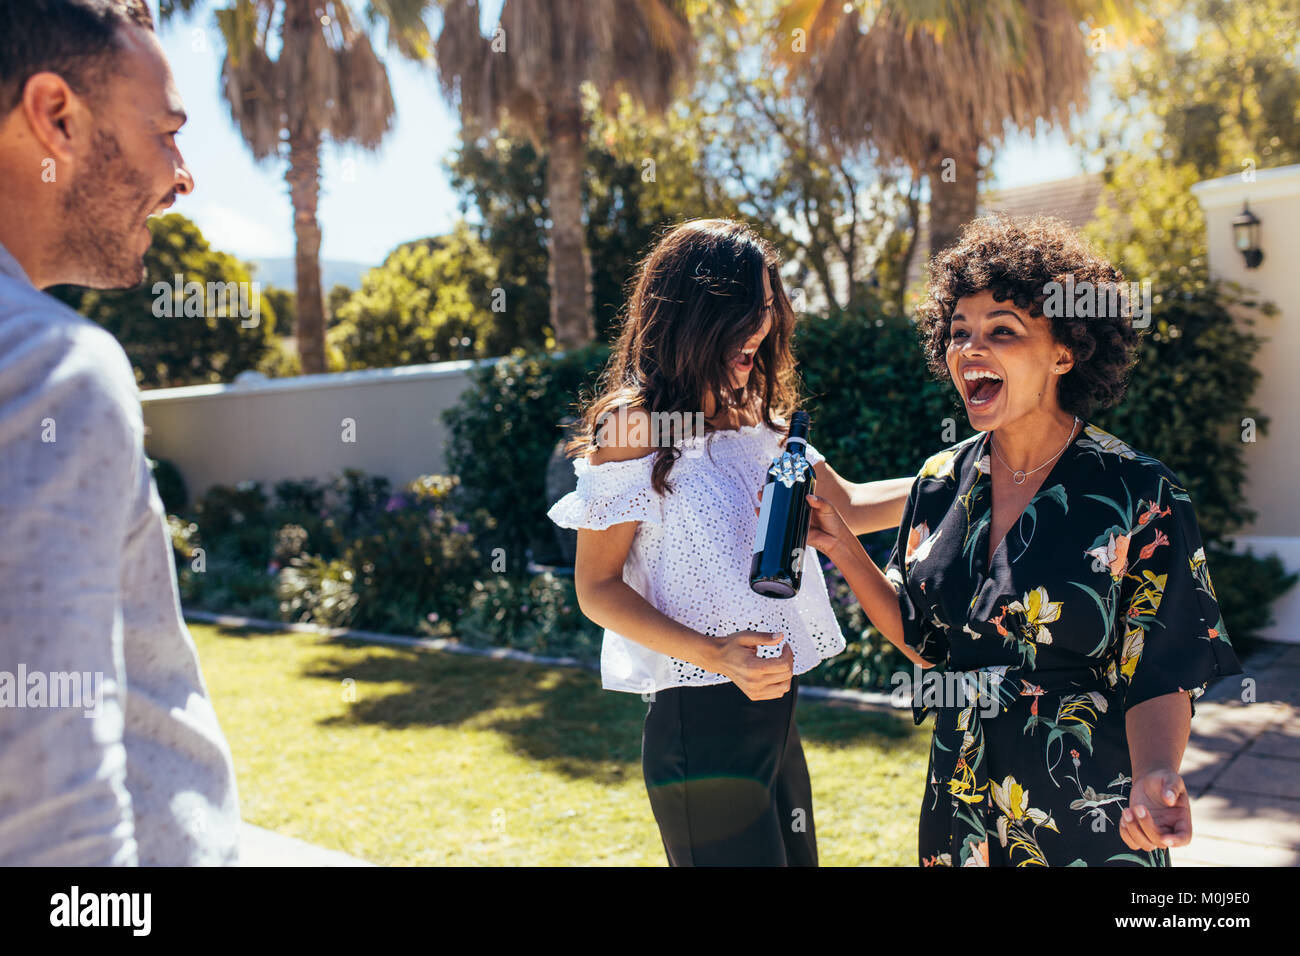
(383, 421)
(1273, 461)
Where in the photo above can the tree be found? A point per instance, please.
(294, 72)
(173, 330)
(1219, 86)
(529, 75)
(838, 219)
(1215, 95)
(504, 180)
(928, 84)
(740, 145)
(426, 300)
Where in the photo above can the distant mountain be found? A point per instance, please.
(280, 272)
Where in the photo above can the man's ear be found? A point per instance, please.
(55, 115)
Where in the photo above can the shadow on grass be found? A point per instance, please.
(553, 714)
(229, 630)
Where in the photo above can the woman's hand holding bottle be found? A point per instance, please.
(828, 533)
(827, 530)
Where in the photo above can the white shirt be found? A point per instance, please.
(136, 771)
(692, 551)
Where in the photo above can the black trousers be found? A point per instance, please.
(727, 779)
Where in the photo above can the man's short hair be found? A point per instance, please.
(73, 38)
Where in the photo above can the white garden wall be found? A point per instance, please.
(383, 421)
(1273, 461)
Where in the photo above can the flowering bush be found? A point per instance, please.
(313, 589)
(348, 553)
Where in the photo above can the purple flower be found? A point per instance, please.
(462, 527)
(433, 617)
(394, 503)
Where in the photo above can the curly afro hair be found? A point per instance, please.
(1016, 258)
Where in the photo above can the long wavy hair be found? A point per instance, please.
(698, 298)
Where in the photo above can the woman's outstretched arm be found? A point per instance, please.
(868, 506)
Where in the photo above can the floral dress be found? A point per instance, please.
(1097, 598)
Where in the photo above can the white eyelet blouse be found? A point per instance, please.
(691, 555)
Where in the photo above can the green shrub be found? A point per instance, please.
(219, 580)
(316, 590)
(234, 521)
(1246, 586)
(1185, 405)
(538, 615)
(502, 433)
(348, 552)
(1187, 397)
(171, 484)
(875, 412)
(306, 496)
(413, 558)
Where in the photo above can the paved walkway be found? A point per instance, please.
(1242, 766)
(259, 847)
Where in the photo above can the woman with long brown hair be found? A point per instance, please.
(699, 390)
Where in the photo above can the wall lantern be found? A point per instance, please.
(1245, 235)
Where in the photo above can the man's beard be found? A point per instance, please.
(102, 215)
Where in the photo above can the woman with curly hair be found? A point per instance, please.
(666, 523)
(1053, 574)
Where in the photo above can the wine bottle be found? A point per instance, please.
(776, 568)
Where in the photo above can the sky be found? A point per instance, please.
(371, 202)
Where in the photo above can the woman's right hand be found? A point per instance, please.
(827, 530)
(759, 678)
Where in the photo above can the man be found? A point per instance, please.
(136, 769)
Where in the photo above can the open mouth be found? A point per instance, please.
(744, 362)
(982, 386)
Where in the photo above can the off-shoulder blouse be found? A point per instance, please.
(691, 555)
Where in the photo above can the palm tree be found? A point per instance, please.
(928, 82)
(530, 73)
(294, 72)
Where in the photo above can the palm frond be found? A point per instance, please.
(324, 77)
(931, 78)
(546, 49)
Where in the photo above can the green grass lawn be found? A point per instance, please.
(409, 757)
